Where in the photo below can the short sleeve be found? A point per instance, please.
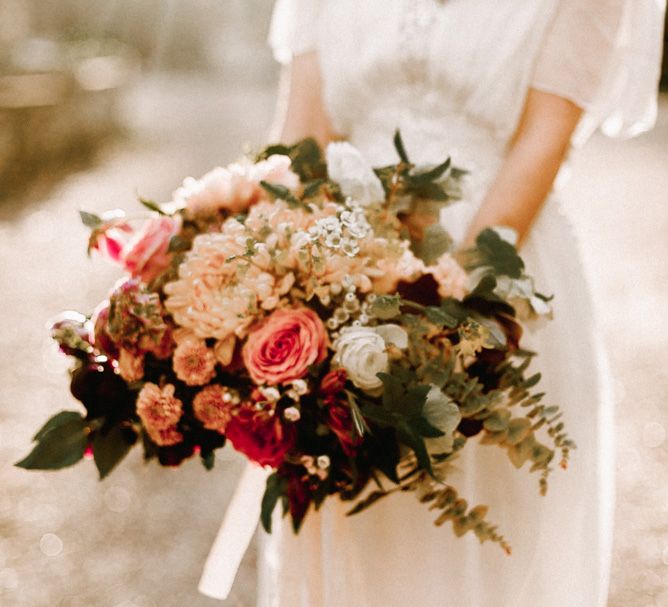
(605, 56)
(293, 29)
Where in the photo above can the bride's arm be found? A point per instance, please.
(300, 111)
(531, 165)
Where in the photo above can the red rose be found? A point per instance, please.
(333, 382)
(260, 435)
(284, 346)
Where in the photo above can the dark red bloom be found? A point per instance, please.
(340, 422)
(333, 382)
(260, 435)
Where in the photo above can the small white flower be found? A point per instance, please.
(347, 167)
(323, 462)
(362, 352)
(270, 393)
(300, 386)
(299, 240)
(292, 414)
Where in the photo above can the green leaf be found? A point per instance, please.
(90, 220)
(424, 428)
(276, 488)
(434, 242)
(110, 447)
(399, 146)
(411, 439)
(58, 419)
(432, 174)
(313, 187)
(208, 459)
(151, 205)
(362, 505)
(432, 191)
(385, 307)
(279, 191)
(177, 244)
(61, 444)
(442, 413)
(493, 251)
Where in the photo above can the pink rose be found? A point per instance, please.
(236, 187)
(144, 251)
(147, 255)
(284, 346)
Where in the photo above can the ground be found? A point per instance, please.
(139, 538)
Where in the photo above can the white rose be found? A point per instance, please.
(362, 352)
(347, 167)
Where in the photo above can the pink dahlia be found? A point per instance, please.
(282, 347)
(194, 363)
(214, 406)
(157, 407)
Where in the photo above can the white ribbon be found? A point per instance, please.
(235, 534)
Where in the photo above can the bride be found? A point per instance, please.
(505, 88)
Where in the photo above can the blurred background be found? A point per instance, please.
(101, 101)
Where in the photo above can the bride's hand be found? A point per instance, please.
(531, 165)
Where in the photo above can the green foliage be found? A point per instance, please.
(151, 205)
(90, 220)
(61, 442)
(275, 489)
(306, 156)
(493, 252)
(385, 307)
(399, 147)
(111, 446)
(433, 244)
(281, 192)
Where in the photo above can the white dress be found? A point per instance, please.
(453, 76)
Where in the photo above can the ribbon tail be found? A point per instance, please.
(235, 534)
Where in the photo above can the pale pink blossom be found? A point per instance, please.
(214, 407)
(452, 279)
(236, 187)
(194, 363)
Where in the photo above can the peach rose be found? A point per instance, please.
(284, 346)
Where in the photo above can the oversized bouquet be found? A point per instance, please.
(312, 314)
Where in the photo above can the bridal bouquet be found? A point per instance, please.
(309, 311)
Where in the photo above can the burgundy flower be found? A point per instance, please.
(260, 435)
(333, 382)
(340, 422)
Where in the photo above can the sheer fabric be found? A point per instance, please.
(453, 76)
